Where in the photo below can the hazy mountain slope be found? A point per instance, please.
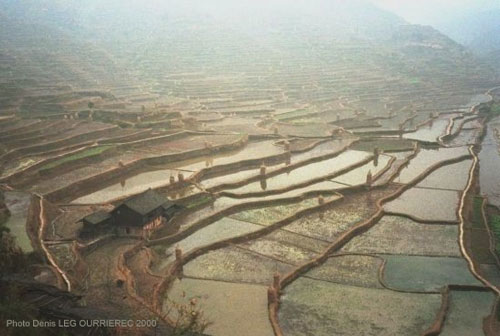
(478, 30)
(485, 36)
(115, 43)
(35, 49)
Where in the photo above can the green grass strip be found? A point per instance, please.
(80, 155)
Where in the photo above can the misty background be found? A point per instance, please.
(114, 41)
(473, 23)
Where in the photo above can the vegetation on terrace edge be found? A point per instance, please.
(494, 220)
(387, 145)
(202, 200)
(91, 152)
(477, 213)
(495, 228)
(495, 109)
(492, 111)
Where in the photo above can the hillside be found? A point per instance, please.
(116, 45)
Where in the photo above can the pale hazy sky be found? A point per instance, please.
(435, 11)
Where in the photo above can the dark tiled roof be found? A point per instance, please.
(171, 208)
(97, 217)
(146, 202)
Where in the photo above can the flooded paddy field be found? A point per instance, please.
(410, 204)
(222, 229)
(451, 177)
(232, 304)
(429, 133)
(129, 186)
(235, 265)
(330, 224)
(304, 174)
(358, 176)
(467, 311)
(402, 236)
(427, 157)
(332, 309)
(465, 137)
(269, 215)
(355, 270)
(416, 273)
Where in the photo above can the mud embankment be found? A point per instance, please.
(256, 163)
(176, 268)
(96, 182)
(298, 185)
(275, 291)
(27, 175)
(240, 207)
(26, 135)
(130, 283)
(40, 214)
(89, 136)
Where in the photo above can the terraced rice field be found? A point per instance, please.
(326, 188)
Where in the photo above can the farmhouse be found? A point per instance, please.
(145, 211)
(136, 215)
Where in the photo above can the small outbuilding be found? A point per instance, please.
(100, 217)
(96, 224)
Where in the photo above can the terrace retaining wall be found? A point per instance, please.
(20, 178)
(130, 283)
(55, 144)
(73, 164)
(248, 205)
(86, 184)
(255, 163)
(298, 185)
(177, 265)
(222, 169)
(274, 293)
(11, 137)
